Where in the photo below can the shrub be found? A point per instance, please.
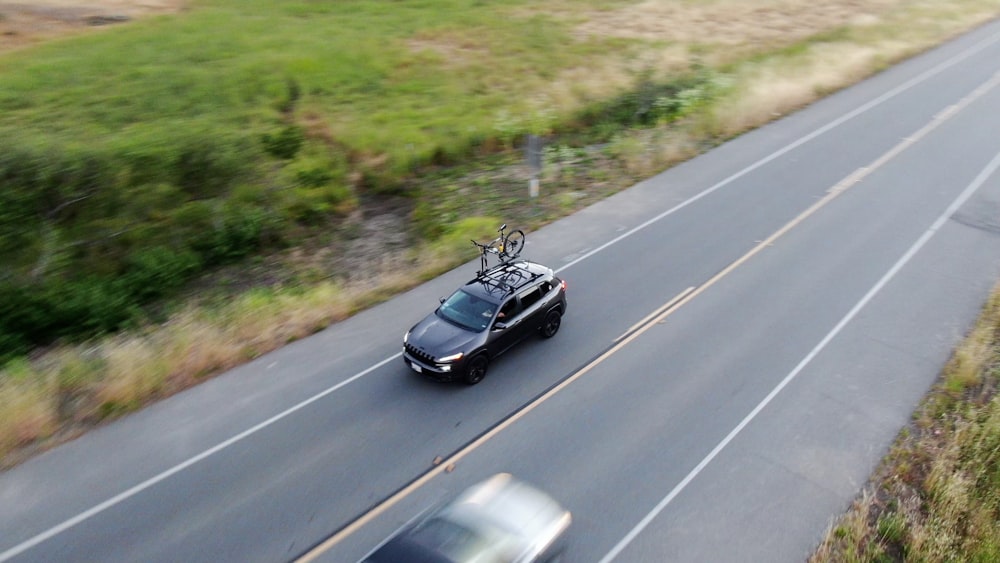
(206, 167)
(651, 102)
(153, 272)
(285, 143)
(85, 308)
(240, 231)
(24, 320)
(316, 205)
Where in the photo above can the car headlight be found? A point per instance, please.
(451, 358)
(406, 337)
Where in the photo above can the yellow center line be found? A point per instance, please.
(664, 307)
(445, 464)
(651, 320)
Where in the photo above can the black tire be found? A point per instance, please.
(477, 369)
(550, 326)
(513, 244)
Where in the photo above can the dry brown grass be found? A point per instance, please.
(769, 89)
(718, 33)
(646, 152)
(674, 35)
(72, 387)
(27, 414)
(134, 371)
(733, 23)
(851, 528)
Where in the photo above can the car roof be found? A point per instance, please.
(498, 282)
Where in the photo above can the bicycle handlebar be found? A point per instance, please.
(485, 247)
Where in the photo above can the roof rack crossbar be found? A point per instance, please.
(504, 278)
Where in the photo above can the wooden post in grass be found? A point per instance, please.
(533, 153)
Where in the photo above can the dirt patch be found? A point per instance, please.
(23, 24)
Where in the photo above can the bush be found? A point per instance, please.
(651, 102)
(153, 272)
(88, 307)
(14, 318)
(285, 143)
(39, 314)
(25, 318)
(238, 232)
(206, 167)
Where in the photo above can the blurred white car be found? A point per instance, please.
(501, 520)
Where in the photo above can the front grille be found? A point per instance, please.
(419, 355)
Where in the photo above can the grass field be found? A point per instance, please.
(137, 157)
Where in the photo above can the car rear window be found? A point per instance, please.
(530, 297)
(452, 540)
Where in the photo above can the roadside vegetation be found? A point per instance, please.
(183, 193)
(936, 495)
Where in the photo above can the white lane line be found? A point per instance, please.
(941, 67)
(990, 169)
(24, 546)
(459, 455)
(59, 528)
(648, 321)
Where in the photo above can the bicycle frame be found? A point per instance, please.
(501, 246)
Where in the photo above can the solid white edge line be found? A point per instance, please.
(940, 67)
(926, 236)
(65, 525)
(26, 545)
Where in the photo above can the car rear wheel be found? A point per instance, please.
(477, 369)
(551, 325)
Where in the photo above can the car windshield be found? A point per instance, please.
(467, 311)
(455, 541)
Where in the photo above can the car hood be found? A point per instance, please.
(438, 337)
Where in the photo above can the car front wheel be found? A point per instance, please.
(477, 369)
(551, 325)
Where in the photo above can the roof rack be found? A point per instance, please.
(505, 277)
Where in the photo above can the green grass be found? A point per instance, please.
(407, 79)
(138, 157)
(240, 125)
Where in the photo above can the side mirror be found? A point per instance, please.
(441, 300)
(499, 325)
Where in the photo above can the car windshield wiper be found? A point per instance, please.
(454, 321)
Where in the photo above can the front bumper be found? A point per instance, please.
(439, 372)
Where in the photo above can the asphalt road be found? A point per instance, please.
(812, 278)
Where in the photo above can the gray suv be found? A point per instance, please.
(483, 319)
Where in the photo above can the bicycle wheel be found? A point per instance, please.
(513, 244)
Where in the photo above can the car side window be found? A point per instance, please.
(530, 297)
(508, 310)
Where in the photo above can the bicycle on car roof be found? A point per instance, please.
(506, 247)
